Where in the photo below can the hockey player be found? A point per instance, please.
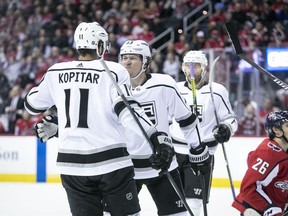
(264, 188)
(158, 95)
(92, 156)
(212, 135)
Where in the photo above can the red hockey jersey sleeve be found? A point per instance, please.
(266, 179)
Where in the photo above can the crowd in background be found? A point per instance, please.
(35, 34)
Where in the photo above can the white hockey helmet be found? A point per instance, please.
(138, 47)
(88, 36)
(195, 56)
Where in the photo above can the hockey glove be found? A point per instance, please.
(200, 159)
(272, 210)
(164, 151)
(47, 128)
(222, 133)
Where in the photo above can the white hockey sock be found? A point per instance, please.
(108, 214)
(195, 205)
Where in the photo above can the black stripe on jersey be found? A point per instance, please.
(168, 86)
(211, 143)
(28, 106)
(141, 163)
(120, 106)
(92, 158)
(188, 121)
(220, 97)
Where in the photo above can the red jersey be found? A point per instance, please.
(266, 179)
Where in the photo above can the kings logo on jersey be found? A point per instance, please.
(199, 111)
(150, 110)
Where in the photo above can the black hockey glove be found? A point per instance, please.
(272, 209)
(163, 156)
(47, 128)
(222, 133)
(200, 159)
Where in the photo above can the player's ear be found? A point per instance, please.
(148, 62)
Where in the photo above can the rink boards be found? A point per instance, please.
(26, 159)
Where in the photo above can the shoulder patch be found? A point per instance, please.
(274, 147)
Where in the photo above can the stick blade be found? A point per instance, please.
(230, 27)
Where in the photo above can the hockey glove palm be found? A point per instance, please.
(47, 128)
(222, 133)
(163, 156)
(200, 159)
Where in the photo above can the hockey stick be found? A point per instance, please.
(239, 51)
(173, 183)
(202, 177)
(211, 79)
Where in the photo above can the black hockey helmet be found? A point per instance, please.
(275, 119)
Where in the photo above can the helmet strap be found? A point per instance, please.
(143, 69)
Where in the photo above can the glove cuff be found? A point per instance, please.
(159, 138)
(199, 154)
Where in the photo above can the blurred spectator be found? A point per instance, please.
(247, 124)
(282, 16)
(245, 34)
(115, 48)
(174, 10)
(180, 45)
(98, 16)
(258, 32)
(59, 39)
(25, 125)
(4, 90)
(114, 11)
(278, 36)
(198, 41)
(282, 96)
(240, 106)
(151, 12)
(239, 14)
(215, 41)
(124, 35)
(12, 69)
(156, 63)
(268, 15)
(218, 15)
(172, 65)
(265, 109)
(146, 34)
(14, 107)
(111, 25)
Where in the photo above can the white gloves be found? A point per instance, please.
(47, 128)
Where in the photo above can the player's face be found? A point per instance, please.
(132, 63)
(285, 129)
(197, 71)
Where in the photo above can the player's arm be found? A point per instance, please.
(38, 99)
(228, 124)
(259, 174)
(189, 124)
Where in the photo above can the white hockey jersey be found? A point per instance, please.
(89, 107)
(205, 113)
(160, 98)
